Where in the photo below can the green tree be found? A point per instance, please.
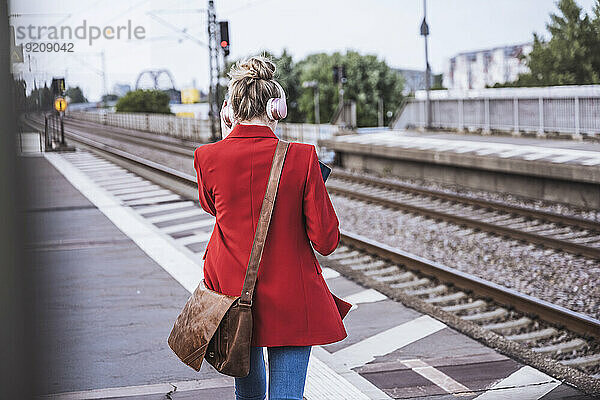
(437, 82)
(369, 79)
(40, 99)
(76, 95)
(572, 55)
(595, 38)
(289, 77)
(144, 101)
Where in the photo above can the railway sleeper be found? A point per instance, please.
(437, 201)
(587, 239)
(395, 278)
(446, 299)
(367, 266)
(416, 202)
(486, 316)
(541, 226)
(555, 231)
(343, 255)
(522, 225)
(473, 305)
(481, 211)
(355, 260)
(584, 361)
(572, 235)
(375, 192)
(136, 189)
(471, 214)
(533, 335)
(427, 291)
(140, 194)
(508, 326)
(400, 199)
(115, 183)
(410, 284)
(464, 208)
(487, 214)
(442, 209)
(511, 221)
(497, 218)
(560, 347)
(381, 271)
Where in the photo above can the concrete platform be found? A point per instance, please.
(119, 268)
(563, 171)
(109, 307)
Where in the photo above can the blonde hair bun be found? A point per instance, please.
(257, 67)
(251, 86)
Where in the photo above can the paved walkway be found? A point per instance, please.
(121, 255)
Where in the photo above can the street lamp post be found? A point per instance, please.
(315, 85)
(425, 33)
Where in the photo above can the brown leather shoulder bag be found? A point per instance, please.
(216, 326)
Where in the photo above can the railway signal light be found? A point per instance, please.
(224, 27)
(58, 86)
(60, 104)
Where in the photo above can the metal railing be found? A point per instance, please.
(305, 133)
(170, 125)
(576, 116)
(54, 132)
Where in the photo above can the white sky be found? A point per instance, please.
(387, 28)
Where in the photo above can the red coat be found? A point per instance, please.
(292, 304)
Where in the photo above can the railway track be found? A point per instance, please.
(568, 337)
(540, 330)
(114, 135)
(564, 233)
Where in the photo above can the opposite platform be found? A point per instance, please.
(552, 170)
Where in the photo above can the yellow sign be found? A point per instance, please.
(185, 114)
(60, 104)
(16, 52)
(190, 96)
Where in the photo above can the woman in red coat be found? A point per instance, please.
(292, 307)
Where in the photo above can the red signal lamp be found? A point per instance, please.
(224, 43)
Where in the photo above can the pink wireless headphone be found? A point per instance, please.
(276, 108)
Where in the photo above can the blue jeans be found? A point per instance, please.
(287, 374)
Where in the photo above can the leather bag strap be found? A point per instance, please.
(264, 221)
